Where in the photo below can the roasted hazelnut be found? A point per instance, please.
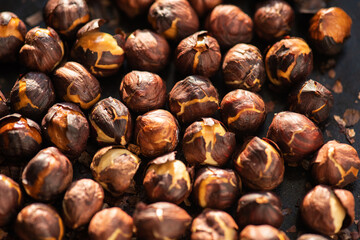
(243, 111)
(262, 232)
(12, 36)
(111, 122)
(73, 83)
(66, 17)
(143, 91)
(19, 137)
(258, 209)
(47, 175)
(32, 95)
(66, 127)
(147, 51)
(260, 164)
(157, 133)
(273, 19)
(329, 28)
(311, 237)
(82, 200)
(167, 179)
(229, 25)
(208, 142)
(328, 211)
(216, 188)
(296, 135)
(43, 50)
(111, 222)
(133, 8)
(114, 168)
(174, 19)
(193, 98)
(336, 164)
(203, 6)
(10, 199)
(4, 108)
(312, 99)
(288, 62)
(161, 220)
(243, 67)
(39, 221)
(214, 224)
(198, 54)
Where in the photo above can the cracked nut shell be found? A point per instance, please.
(10, 199)
(202, 7)
(4, 108)
(263, 232)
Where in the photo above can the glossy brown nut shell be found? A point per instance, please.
(310, 6)
(133, 8)
(10, 199)
(311, 237)
(143, 91)
(204, 6)
(262, 232)
(4, 108)
(193, 98)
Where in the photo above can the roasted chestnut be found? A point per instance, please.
(198, 54)
(66, 126)
(133, 8)
(161, 220)
(32, 95)
(47, 175)
(111, 122)
(39, 221)
(262, 232)
(114, 168)
(174, 19)
(147, 51)
(10, 199)
(204, 6)
(327, 210)
(12, 36)
(156, 133)
(310, 6)
(311, 237)
(296, 135)
(43, 50)
(329, 28)
(243, 67)
(143, 91)
(260, 164)
(4, 109)
(208, 142)
(229, 25)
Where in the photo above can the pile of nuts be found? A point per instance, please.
(171, 148)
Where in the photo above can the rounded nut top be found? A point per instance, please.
(10, 199)
(263, 232)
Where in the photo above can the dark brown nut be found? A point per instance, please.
(336, 164)
(10, 199)
(82, 200)
(111, 122)
(243, 67)
(12, 36)
(243, 111)
(260, 164)
(114, 168)
(147, 51)
(273, 19)
(262, 232)
(214, 224)
(207, 142)
(39, 221)
(32, 95)
(229, 25)
(288, 62)
(198, 54)
(4, 108)
(133, 8)
(193, 98)
(310, 6)
(73, 83)
(157, 133)
(329, 29)
(296, 135)
(19, 137)
(167, 179)
(111, 222)
(47, 175)
(313, 100)
(311, 237)
(66, 127)
(204, 6)
(175, 19)
(258, 209)
(143, 91)
(328, 211)
(161, 220)
(216, 188)
(43, 50)
(66, 17)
